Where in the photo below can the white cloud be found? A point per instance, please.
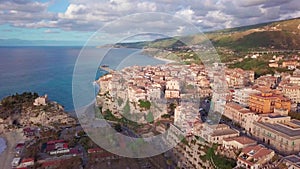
(186, 14)
(90, 15)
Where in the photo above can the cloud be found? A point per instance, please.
(51, 31)
(90, 15)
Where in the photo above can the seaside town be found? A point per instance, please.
(257, 121)
(150, 84)
(234, 105)
(228, 117)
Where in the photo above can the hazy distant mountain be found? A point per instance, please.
(19, 42)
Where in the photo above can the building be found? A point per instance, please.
(254, 157)
(41, 101)
(135, 94)
(30, 131)
(217, 133)
(292, 161)
(185, 117)
(102, 154)
(242, 96)
(172, 90)
(267, 101)
(268, 81)
(281, 135)
(57, 147)
(27, 162)
(273, 65)
(292, 92)
(15, 162)
(240, 115)
(238, 142)
(238, 78)
(290, 64)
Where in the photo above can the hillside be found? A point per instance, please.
(274, 35)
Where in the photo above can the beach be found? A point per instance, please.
(164, 60)
(11, 138)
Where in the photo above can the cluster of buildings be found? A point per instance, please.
(262, 110)
(290, 64)
(257, 107)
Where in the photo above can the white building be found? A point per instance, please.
(292, 92)
(41, 101)
(172, 89)
(186, 116)
(217, 133)
(242, 96)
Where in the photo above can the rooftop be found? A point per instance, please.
(292, 158)
(224, 132)
(291, 129)
(257, 151)
(241, 140)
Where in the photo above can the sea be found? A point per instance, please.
(49, 70)
(2, 145)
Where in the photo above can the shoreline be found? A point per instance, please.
(4, 147)
(164, 59)
(11, 139)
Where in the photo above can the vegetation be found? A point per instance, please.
(145, 104)
(150, 117)
(294, 115)
(126, 109)
(233, 43)
(13, 104)
(172, 107)
(109, 116)
(218, 160)
(118, 127)
(166, 116)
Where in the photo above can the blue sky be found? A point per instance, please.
(77, 20)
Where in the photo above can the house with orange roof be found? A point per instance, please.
(254, 157)
(267, 101)
(239, 142)
(240, 115)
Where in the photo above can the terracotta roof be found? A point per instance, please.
(234, 105)
(241, 140)
(56, 141)
(25, 160)
(224, 132)
(257, 151)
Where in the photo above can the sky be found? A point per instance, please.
(78, 20)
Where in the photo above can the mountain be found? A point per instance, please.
(277, 35)
(19, 42)
(273, 35)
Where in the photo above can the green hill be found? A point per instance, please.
(273, 35)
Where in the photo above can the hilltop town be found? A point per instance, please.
(254, 119)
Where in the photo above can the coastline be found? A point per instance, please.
(3, 145)
(164, 60)
(11, 139)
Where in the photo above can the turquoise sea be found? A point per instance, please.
(49, 70)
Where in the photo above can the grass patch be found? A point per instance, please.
(145, 104)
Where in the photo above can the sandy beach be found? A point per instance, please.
(11, 138)
(164, 60)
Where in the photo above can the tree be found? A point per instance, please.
(145, 104)
(118, 127)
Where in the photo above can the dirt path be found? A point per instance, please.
(11, 138)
